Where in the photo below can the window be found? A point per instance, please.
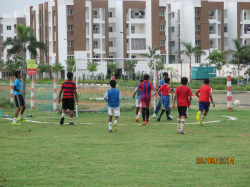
(172, 14)
(172, 58)
(110, 29)
(197, 27)
(225, 28)
(15, 26)
(126, 25)
(162, 12)
(162, 27)
(69, 12)
(197, 13)
(54, 43)
(110, 14)
(70, 43)
(94, 14)
(95, 44)
(70, 27)
(210, 43)
(172, 29)
(132, 29)
(197, 42)
(162, 42)
(110, 44)
(225, 14)
(197, 59)
(8, 28)
(138, 43)
(172, 43)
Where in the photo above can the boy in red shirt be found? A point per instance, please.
(165, 89)
(183, 94)
(205, 93)
(145, 97)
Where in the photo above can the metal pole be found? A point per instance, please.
(123, 56)
(209, 53)
(181, 69)
(154, 75)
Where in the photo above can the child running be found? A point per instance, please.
(145, 97)
(138, 104)
(69, 90)
(183, 94)
(18, 99)
(113, 97)
(205, 93)
(165, 89)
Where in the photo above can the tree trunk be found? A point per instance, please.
(190, 81)
(220, 77)
(238, 72)
(24, 75)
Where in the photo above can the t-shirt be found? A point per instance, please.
(145, 87)
(183, 92)
(165, 88)
(162, 81)
(18, 85)
(68, 89)
(204, 93)
(138, 94)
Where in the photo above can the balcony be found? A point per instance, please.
(112, 49)
(97, 47)
(96, 31)
(96, 16)
(138, 17)
(138, 31)
(213, 46)
(212, 14)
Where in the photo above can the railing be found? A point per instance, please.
(138, 17)
(211, 17)
(212, 32)
(138, 31)
(213, 46)
(96, 31)
(96, 16)
(97, 47)
(138, 47)
(247, 17)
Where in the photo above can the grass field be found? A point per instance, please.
(86, 154)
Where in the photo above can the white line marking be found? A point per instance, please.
(230, 118)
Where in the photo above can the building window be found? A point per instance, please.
(95, 44)
(197, 58)
(95, 14)
(110, 43)
(197, 42)
(172, 58)
(172, 29)
(211, 43)
(162, 27)
(110, 29)
(70, 27)
(70, 43)
(197, 13)
(162, 12)
(172, 14)
(54, 43)
(138, 43)
(69, 12)
(127, 26)
(110, 15)
(172, 43)
(197, 27)
(162, 42)
(8, 28)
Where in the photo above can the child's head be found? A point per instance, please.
(112, 83)
(146, 77)
(167, 80)
(18, 74)
(184, 80)
(206, 81)
(165, 75)
(70, 75)
(141, 80)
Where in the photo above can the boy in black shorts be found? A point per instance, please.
(69, 90)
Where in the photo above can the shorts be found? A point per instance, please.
(68, 103)
(145, 104)
(19, 100)
(182, 111)
(114, 111)
(138, 103)
(165, 100)
(204, 105)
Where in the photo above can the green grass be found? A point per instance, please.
(153, 155)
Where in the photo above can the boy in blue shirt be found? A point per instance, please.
(138, 104)
(113, 97)
(18, 98)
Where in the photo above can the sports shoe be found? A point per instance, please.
(198, 115)
(181, 132)
(71, 123)
(147, 120)
(137, 119)
(110, 130)
(178, 132)
(154, 115)
(144, 123)
(159, 119)
(15, 123)
(62, 121)
(21, 119)
(169, 119)
(115, 129)
(169, 116)
(200, 123)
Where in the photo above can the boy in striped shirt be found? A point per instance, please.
(145, 97)
(69, 90)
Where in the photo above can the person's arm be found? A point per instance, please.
(120, 96)
(60, 93)
(106, 96)
(211, 98)
(190, 99)
(75, 92)
(135, 93)
(197, 94)
(175, 97)
(156, 93)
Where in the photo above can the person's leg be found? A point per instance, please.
(110, 123)
(71, 115)
(201, 107)
(22, 111)
(71, 110)
(182, 123)
(147, 114)
(206, 108)
(158, 107)
(144, 115)
(178, 121)
(116, 113)
(137, 110)
(15, 118)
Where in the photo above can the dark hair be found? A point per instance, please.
(112, 83)
(165, 74)
(206, 81)
(69, 75)
(146, 77)
(167, 80)
(17, 73)
(141, 80)
(184, 80)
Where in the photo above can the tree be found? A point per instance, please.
(43, 68)
(2, 65)
(240, 56)
(57, 67)
(131, 65)
(112, 66)
(151, 55)
(12, 66)
(70, 64)
(190, 51)
(218, 58)
(92, 67)
(25, 42)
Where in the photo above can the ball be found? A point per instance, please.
(237, 103)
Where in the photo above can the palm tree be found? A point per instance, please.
(151, 55)
(239, 54)
(190, 51)
(25, 42)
